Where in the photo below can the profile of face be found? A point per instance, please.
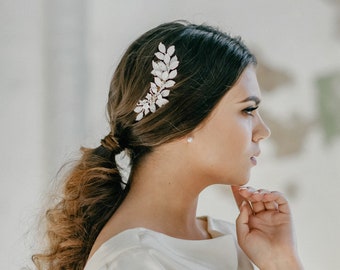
(225, 146)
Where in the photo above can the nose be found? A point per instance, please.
(261, 130)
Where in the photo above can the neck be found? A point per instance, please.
(163, 197)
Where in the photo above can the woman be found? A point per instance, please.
(183, 104)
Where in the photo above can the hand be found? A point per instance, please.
(264, 229)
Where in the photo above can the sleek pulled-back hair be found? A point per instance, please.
(210, 64)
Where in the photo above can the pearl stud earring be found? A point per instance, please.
(190, 139)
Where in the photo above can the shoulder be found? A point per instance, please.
(218, 227)
(141, 248)
(135, 259)
(131, 249)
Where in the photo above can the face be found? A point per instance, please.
(224, 148)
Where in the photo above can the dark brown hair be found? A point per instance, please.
(210, 63)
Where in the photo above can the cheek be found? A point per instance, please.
(238, 136)
(228, 144)
(223, 141)
(221, 153)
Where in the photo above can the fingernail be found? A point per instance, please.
(251, 189)
(243, 188)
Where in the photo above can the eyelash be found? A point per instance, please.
(249, 110)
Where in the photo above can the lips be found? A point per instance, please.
(253, 160)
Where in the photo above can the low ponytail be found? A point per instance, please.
(92, 192)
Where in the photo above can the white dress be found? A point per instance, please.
(140, 248)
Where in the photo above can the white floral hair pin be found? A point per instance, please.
(164, 70)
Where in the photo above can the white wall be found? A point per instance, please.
(56, 61)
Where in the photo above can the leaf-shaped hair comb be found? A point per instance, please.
(164, 71)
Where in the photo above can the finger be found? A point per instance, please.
(271, 206)
(242, 222)
(257, 200)
(258, 207)
(248, 193)
(279, 199)
(238, 198)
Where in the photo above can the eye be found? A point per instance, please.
(249, 110)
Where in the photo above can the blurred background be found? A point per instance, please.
(56, 61)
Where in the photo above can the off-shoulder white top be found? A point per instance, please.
(141, 248)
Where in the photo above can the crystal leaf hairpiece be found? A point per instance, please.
(164, 71)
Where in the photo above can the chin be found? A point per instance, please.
(236, 181)
(243, 180)
(242, 183)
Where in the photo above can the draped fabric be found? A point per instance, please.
(140, 248)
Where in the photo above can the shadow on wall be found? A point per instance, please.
(329, 100)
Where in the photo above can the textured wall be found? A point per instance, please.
(56, 61)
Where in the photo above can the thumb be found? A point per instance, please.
(238, 198)
(242, 223)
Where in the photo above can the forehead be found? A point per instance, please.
(246, 86)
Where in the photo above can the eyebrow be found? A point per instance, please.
(252, 98)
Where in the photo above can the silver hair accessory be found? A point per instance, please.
(164, 70)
